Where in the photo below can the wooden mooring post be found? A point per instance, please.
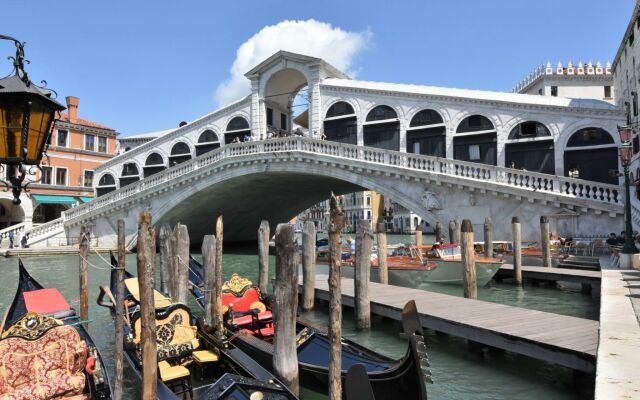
(308, 265)
(336, 223)
(181, 262)
(166, 259)
(83, 242)
(438, 232)
(488, 237)
(418, 235)
(383, 272)
(364, 242)
(119, 320)
(452, 231)
(218, 314)
(146, 258)
(285, 356)
(545, 241)
(517, 250)
(210, 294)
(263, 255)
(469, 279)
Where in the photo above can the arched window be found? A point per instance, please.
(340, 109)
(180, 152)
(382, 128)
(591, 154)
(476, 141)
(207, 142)
(130, 169)
(129, 174)
(106, 184)
(154, 159)
(341, 123)
(153, 164)
(530, 147)
(237, 128)
(427, 134)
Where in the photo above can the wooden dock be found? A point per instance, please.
(568, 341)
(552, 274)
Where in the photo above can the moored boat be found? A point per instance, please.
(414, 265)
(46, 352)
(249, 320)
(190, 361)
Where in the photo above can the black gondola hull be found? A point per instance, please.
(390, 379)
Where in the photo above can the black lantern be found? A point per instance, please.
(27, 112)
(626, 154)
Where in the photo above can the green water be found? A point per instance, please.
(457, 372)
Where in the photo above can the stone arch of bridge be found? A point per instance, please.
(280, 89)
(246, 194)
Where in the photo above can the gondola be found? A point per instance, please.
(211, 368)
(46, 351)
(249, 320)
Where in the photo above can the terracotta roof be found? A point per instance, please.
(63, 116)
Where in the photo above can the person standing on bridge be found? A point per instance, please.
(11, 240)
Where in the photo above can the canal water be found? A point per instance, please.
(457, 372)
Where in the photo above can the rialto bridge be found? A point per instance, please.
(442, 153)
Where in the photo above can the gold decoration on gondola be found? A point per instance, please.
(31, 326)
(236, 284)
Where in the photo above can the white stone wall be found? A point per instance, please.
(189, 134)
(504, 116)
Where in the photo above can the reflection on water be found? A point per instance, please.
(458, 373)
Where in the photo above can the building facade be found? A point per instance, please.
(626, 74)
(76, 148)
(580, 81)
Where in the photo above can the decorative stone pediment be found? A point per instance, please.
(430, 201)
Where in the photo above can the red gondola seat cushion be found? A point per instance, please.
(41, 359)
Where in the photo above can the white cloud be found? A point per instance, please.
(310, 37)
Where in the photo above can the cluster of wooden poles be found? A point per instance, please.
(174, 272)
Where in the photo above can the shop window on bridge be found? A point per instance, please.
(236, 131)
(591, 154)
(382, 129)
(530, 148)
(476, 141)
(106, 184)
(153, 164)
(208, 141)
(341, 124)
(180, 152)
(129, 175)
(427, 134)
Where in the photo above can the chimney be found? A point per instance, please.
(72, 108)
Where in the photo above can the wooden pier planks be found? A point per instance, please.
(555, 338)
(553, 274)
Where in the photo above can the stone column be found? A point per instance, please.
(315, 106)
(403, 136)
(257, 108)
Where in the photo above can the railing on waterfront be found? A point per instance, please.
(535, 182)
(17, 229)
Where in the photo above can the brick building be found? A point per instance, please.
(76, 147)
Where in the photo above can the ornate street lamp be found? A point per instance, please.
(626, 153)
(27, 112)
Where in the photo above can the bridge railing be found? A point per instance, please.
(577, 188)
(565, 186)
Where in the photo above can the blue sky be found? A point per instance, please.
(140, 66)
